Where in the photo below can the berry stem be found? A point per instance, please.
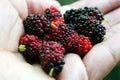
(104, 37)
(22, 48)
(51, 72)
(53, 26)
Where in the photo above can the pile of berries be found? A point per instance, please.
(48, 37)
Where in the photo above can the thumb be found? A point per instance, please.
(32, 6)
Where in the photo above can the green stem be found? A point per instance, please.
(21, 48)
(53, 26)
(51, 72)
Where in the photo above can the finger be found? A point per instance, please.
(112, 31)
(21, 7)
(104, 5)
(113, 18)
(38, 6)
(13, 68)
(73, 69)
(103, 58)
(10, 26)
(32, 6)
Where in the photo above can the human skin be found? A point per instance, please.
(94, 66)
(104, 56)
(12, 12)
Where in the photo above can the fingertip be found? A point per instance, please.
(20, 8)
(39, 6)
(112, 21)
(73, 69)
(38, 69)
(99, 62)
(104, 5)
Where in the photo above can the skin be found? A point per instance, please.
(94, 66)
(104, 56)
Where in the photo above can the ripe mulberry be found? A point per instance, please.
(36, 24)
(52, 57)
(86, 22)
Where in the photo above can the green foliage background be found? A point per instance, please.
(115, 73)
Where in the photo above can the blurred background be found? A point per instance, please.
(115, 73)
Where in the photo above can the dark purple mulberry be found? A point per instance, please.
(86, 22)
(36, 24)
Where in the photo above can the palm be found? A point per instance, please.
(13, 64)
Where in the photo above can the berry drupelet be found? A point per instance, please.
(52, 58)
(36, 24)
(86, 22)
(29, 46)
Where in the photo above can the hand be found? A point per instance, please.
(104, 56)
(12, 64)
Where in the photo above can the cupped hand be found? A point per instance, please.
(104, 56)
(95, 65)
(12, 64)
